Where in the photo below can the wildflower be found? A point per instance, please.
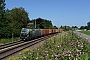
(36, 58)
(47, 54)
(76, 54)
(46, 57)
(78, 45)
(69, 55)
(57, 55)
(41, 57)
(80, 52)
(75, 59)
(46, 51)
(29, 53)
(11, 58)
(51, 50)
(38, 49)
(64, 54)
(25, 51)
(24, 57)
(58, 46)
(70, 52)
(81, 46)
(52, 55)
(54, 36)
(52, 42)
(83, 52)
(78, 37)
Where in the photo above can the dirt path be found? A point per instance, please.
(84, 36)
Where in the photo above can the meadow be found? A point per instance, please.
(8, 40)
(86, 32)
(64, 46)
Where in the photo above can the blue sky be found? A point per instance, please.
(60, 12)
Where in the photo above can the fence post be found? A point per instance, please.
(12, 37)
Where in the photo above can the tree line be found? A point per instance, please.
(66, 28)
(42, 24)
(86, 27)
(12, 21)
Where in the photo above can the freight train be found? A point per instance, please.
(28, 34)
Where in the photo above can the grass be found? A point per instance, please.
(7, 40)
(86, 32)
(65, 46)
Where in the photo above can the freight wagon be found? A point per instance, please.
(28, 34)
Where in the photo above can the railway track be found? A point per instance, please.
(10, 49)
(10, 44)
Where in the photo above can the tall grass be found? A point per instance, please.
(65, 46)
(86, 32)
(7, 40)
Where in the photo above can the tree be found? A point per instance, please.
(42, 23)
(2, 12)
(82, 27)
(85, 27)
(61, 27)
(74, 27)
(88, 25)
(14, 21)
(55, 27)
(39, 22)
(18, 19)
(66, 28)
(2, 16)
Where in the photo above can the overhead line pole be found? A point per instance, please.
(35, 23)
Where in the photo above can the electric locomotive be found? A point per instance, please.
(27, 34)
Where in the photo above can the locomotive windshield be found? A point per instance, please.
(24, 31)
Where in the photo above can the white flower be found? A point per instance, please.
(58, 46)
(38, 49)
(81, 46)
(30, 53)
(24, 57)
(80, 52)
(47, 54)
(69, 54)
(37, 58)
(70, 51)
(75, 59)
(52, 55)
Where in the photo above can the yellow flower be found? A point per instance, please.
(54, 36)
(25, 51)
(11, 58)
(50, 38)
